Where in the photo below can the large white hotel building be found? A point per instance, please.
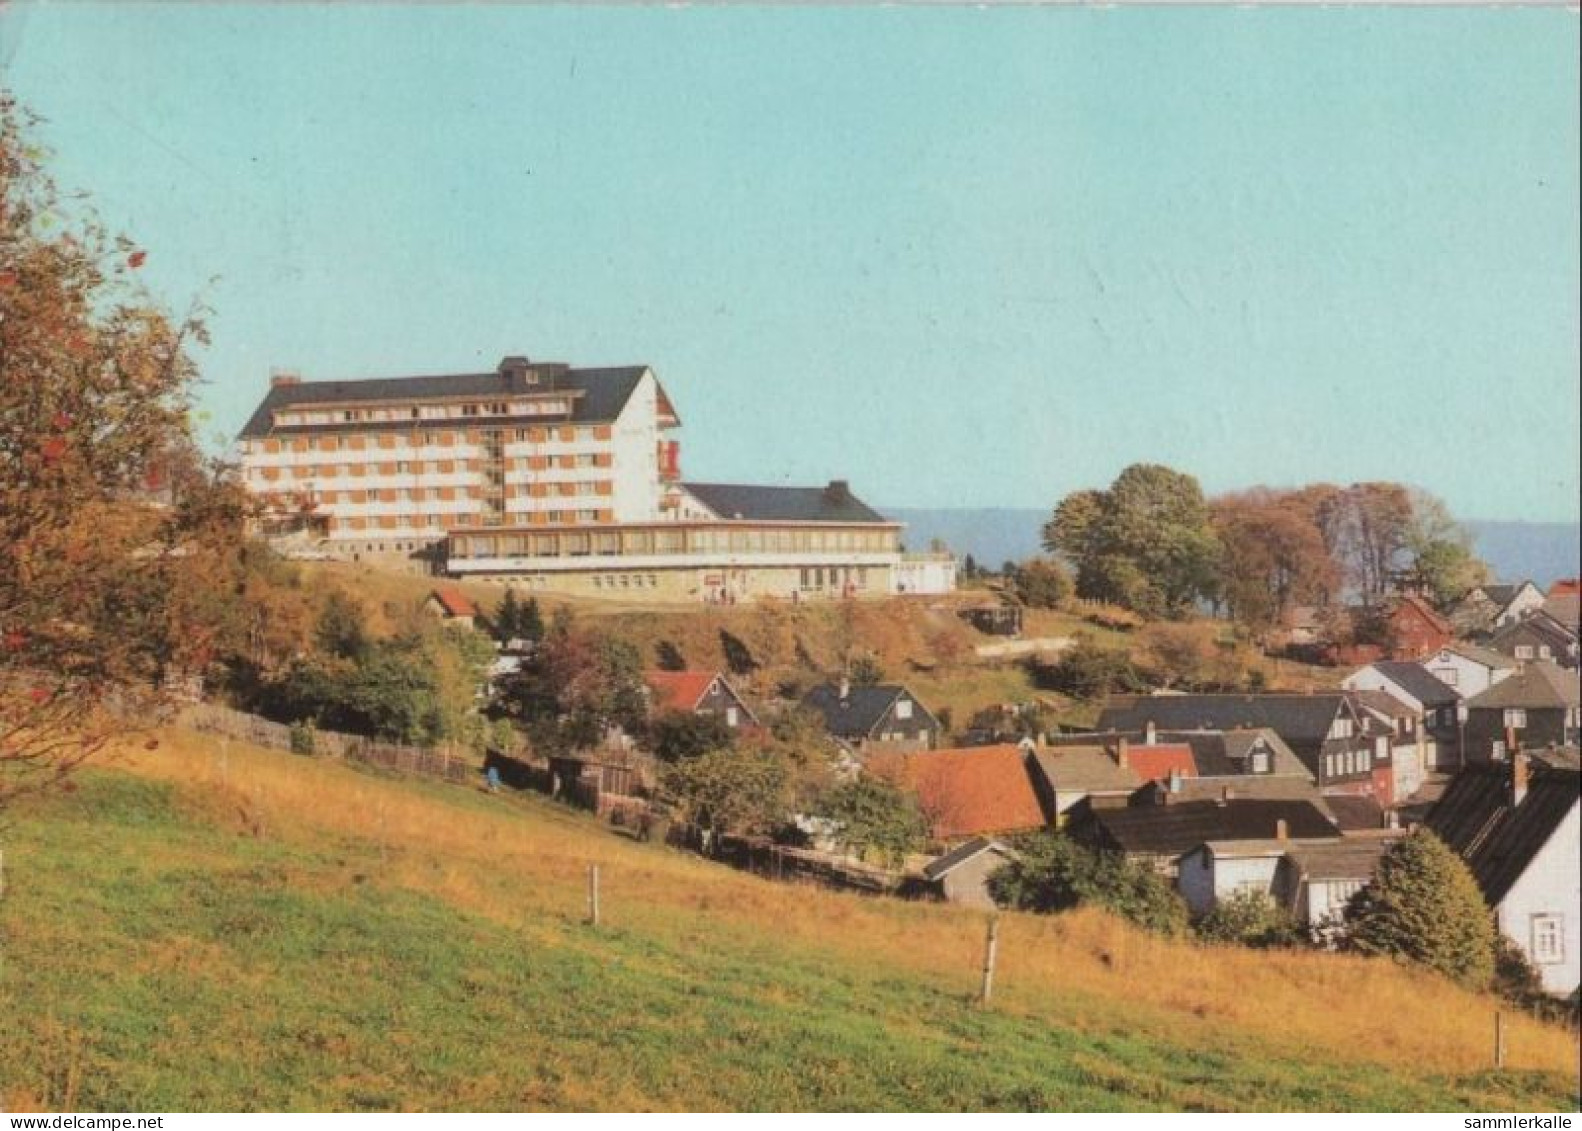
(554, 478)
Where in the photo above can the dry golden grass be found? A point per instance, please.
(523, 863)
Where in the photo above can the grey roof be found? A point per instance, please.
(1501, 594)
(1242, 787)
(1385, 704)
(604, 394)
(1084, 769)
(1355, 813)
(832, 503)
(1295, 718)
(1566, 608)
(1216, 753)
(1499, 840)
(860, 712)
(1540, 627)
(941, 866)
(1418, 682)
(1352, 858)
(1488, 657)
(1539, 685)
(1170, 830)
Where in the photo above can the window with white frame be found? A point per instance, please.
(1515, 717)
(903, 709)
(1548, 939)
(1524, 651)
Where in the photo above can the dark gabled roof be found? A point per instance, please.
(1355, 813)
(1478, 654)
(1498, 840)
(941, 866)
(1243, 787)
(1539, 685)
(1541, 626)
(1501, 594)
(1383, 703)
(831, 503)
(860, 712)
(1416, 680)
(604, 394)
(1295, 718)
(1353, 858)
(1170, 830)
(1215, 753)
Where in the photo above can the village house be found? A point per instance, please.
(1488, 607)
(1539, 706)
(1412, 750)
(1159, 835)
(1219, 869)
(698, 693)
(1427, 734)
(1413, 628)
(1517, 825)
(1326, 730)
(880, 717)
(962, 874)
(1537, 637)
(452, 606)
(1563, 603)
(968, 792)
(1315, 880)
(1469, 669)
(1067, 776)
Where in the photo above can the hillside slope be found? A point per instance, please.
(206, 927)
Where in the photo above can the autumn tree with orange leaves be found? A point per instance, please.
(112, 531)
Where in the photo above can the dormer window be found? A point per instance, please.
(1260, 762)
(903, 709)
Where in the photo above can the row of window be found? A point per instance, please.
(578, 461)
(440, 522)
(585, 489)
(688, 540)
(834, 577)
(388, 441)
(1347, 763)
(385, 414)
(626, 581)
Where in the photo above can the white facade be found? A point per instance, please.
(1528, 600)
(1469, 677)
(924, 574)
(1212, 872)
(1542, 912)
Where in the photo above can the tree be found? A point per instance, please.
(1443, 562)
(865, 670)
(94, 386)
(678, 735)
(1275, 555)
(1052, 872)
(1043, 583)
(1146, 543)
(1088, 670)
(729, 791)
(873, 815)
(342, 628)
(1423, 906)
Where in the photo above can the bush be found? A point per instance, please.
(874, 816)
(1087, 670)
(1043, 583)
(304, 738)
(1249, 918)
(1055, 873)
(1424, 907)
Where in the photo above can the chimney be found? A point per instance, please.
(838, 492)
(1122, 751)
(1150, 734)
(1282, 831)
(282, 377)
(845, 688)
(1512, 742)
(1175, 779)
(1521, 768)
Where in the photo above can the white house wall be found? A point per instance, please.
(1551, 885)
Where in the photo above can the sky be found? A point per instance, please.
(958, 256)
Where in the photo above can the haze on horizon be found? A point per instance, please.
(959, 257)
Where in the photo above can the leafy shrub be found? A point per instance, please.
(1250, 918)
(304, 738)
(1055, 873)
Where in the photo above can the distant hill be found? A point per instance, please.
(1542, 551)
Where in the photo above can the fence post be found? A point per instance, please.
(593, 895)
(2, 873)
(991, 951)
(1499, 1039)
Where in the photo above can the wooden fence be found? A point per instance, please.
(210, 718)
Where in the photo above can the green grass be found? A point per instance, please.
(159, 956)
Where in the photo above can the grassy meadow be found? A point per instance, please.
(220, 927)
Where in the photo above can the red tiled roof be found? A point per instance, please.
(1425, 611)
(1566, 587)
(678, 691)
(1154, 763)
(966, 792)
(455, 602)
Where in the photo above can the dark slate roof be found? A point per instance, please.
(1541, 627)
(832, 503)
(857, 714)
(1539, 685)
(1295, 718)
(604, 394)
(1501, 594)
(1355, 813)
(1416, 681)
(1262, 787)
(941, 866)
(1354, 858)
(1497, 840)
(1170, 830)
(1215, 753)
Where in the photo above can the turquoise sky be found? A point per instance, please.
(957, 256)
